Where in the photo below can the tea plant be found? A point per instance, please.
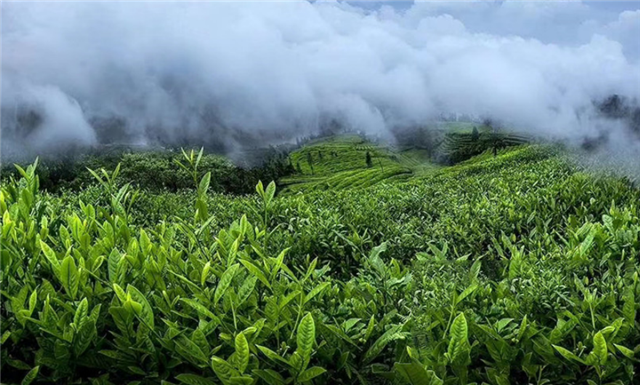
(211, 305)
(516, 269)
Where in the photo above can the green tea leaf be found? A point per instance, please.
(475, 269)
(17, 301)
(600, 348)
(568, 354)
(305, 338)
(523, 328)
(311, 373)
(225, 282)
(391, 334)
(69, 276)
(33, 301)
(246, 289)
(205, 273)
(242, 352)
(5, 336)
(315, 291)
(51, 257)
(202, 310)
(81, 313)
(253, 269)
(458, 351)
(84, 337)
(146, 313)
(33, 373)
(370, 326)
(204, 184)
(223, 369)
(271, 192)
(466, 292)
(260, 189)
(273, 355)
(625, 351)
(112, 265)
(629, 306)
(121, 317)
(190, 349)
(122, 296)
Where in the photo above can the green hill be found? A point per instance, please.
(340, 162)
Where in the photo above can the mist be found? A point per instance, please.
(233, 75)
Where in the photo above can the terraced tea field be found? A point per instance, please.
(340, 163)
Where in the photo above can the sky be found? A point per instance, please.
(219, 73)
(564, 22)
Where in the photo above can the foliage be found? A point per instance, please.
(514, 269)
(159, 171)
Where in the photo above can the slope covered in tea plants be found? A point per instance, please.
(518, 269)
(349, 161)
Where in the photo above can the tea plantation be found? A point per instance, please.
(365, 265)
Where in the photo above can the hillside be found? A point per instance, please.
(340, 162)
(517, 268)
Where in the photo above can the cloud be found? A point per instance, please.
(232, 74)
(626, 30)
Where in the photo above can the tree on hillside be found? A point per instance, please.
(368, 159)
(475, 135)
(320, 155)
(310, 161)
(491, 124)
(298, 167)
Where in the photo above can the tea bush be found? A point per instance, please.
(516, 269)
(157, 170)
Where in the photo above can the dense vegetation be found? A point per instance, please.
(158, 170)
(518, 268)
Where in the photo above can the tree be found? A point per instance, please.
(320, 155)
(368, 159)
(310, 160)
(491, 124)
(474, 134)
(298, 167)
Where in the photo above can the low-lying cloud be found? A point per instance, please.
(229, 74)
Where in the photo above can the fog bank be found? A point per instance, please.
(228, 75)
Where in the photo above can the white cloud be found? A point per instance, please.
(207, 70)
